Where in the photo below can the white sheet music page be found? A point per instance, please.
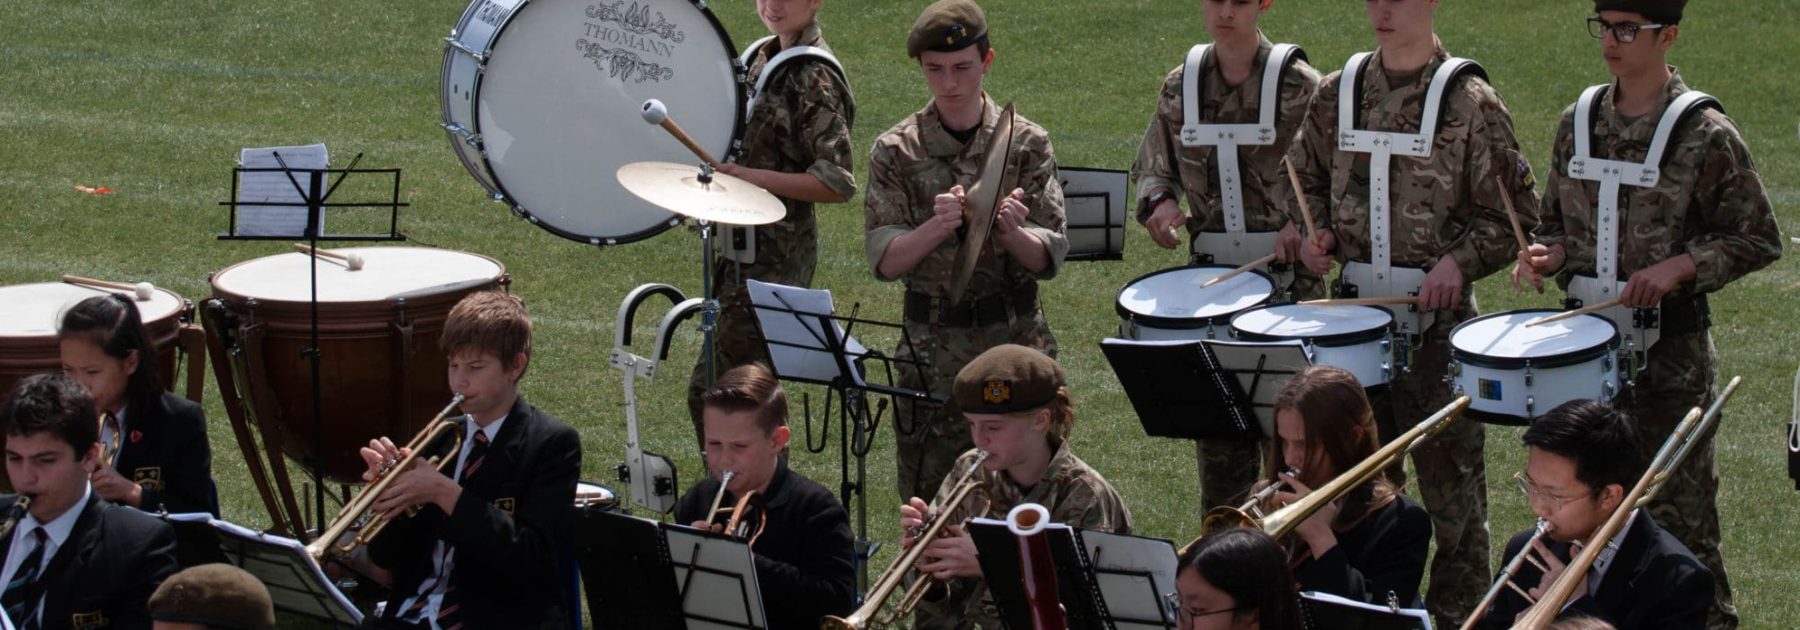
(254, 189)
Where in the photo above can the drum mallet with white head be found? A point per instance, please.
(352, 260)
(141, 291)
(656, 113)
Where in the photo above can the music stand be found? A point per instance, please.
(717, 576)
(257, 197)
(1105, 581)
(626, 572)
(809, 343)
(1324, 610)
(1208, 390)
(296, 583)
(1095, 201)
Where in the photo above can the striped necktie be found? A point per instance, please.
(19, 589)
(448, 617)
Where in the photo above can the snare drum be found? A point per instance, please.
(1516, 373)
(593, 496)
(542, 101)
(1170, 305)
(1356, 338)
(31, 313)
(381, 370)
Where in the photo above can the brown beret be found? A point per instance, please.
(1665, 11)
(947, 26)
(1006, 379)
(215, 595)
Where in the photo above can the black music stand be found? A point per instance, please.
(626, 572)
(1095, 201)
(1324, 610)
(809, 343)
(1104, 581)
(313, 198)
(1194, 390)
(296, 583)
(717, 576)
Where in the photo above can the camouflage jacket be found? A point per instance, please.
(1075, 494)
(801, 124)
(917, 160)
(1444, 204)
(1710, 202)
(1163, 163)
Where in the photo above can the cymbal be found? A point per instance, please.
(677, 188)
(992, 184)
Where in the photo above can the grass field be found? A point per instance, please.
(154, 98)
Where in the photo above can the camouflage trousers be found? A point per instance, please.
(1452, 470)
(927, 437)
(736, 338)
(1681, 373)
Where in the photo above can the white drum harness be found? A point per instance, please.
(1235, 246)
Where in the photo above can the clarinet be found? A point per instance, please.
(13, 514)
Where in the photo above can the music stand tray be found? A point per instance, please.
(1105, 581)
(626, 573)
(1324, 610)
(1208, 390)
(717, 576)
(296, 583)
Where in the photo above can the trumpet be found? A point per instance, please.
(869, 615)
(357, 510)
(1668, 458)
(1284, 521)
(739, 524)
(13, 514)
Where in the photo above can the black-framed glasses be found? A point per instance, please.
(1623, 32)
(1184, 616)
(1533, 493)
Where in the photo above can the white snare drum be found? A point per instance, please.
(31, 313)
(595, 496)
(1355, 338)
(542, 102)
(1170, 305)
(1516, 373)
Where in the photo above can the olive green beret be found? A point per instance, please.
(214, 595)
(947, 26)
(1006, 379)
(1665, 11)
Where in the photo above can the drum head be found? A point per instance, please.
(387, 272)
(558, 108)
(1175, 294)
(1326, 325)
(36, 310)
(1505, 337)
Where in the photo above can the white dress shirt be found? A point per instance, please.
(443, 556)
(58, 529)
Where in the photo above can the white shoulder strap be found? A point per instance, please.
(1279, 58)
(1190, 85)
(1440, 83)
(1350, 89)
(1588, 107)
(1192, 118)
(785, 56)
(1418, 144)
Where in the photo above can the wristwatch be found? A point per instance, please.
(1155, 199)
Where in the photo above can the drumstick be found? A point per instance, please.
(352, 260)
(1368, 301)
(1513, 215)
(1577, 312)
(141, 291)
(656, 113)
(1235, 272)
(1294, 178)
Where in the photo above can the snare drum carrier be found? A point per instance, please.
(1379, 277)
(1235, 246)
(1640, 327)
(739, 244)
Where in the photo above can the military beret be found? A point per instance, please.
(947, 26)
(1665, 11)
(1006, 379)
(214, 595)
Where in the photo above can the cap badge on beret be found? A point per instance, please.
(996, 393)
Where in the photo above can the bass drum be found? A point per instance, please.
(542, 101)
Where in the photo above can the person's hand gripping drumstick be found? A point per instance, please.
(1315, 253)
(656, 113)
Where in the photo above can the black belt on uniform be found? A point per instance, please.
(1685, 315)
(993, 308)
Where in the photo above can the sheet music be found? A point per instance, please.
(295, 581)
(275, 187)
(1416, 618)
(719, 578)
(1120, 562)
(797, 341)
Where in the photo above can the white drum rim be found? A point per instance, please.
(11, 332)
(1353, 337)
(1574, 356)
(1184, 323)
(221, 284)
(500, 192)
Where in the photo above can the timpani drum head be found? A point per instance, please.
(388, 272)
(36, 310)
(543, 102)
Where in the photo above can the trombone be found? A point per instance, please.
(357, 510)
(869, 614)
(1692, 429)
(1283, 521)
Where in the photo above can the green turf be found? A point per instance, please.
(154, 98)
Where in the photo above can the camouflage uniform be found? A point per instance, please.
(1227, 467)
(801, 124)
(1075, 494)
(1710, 204)
(909, 166)
(1444, 204)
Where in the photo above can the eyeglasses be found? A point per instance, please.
(1624, 32)
(1173, 602)
(1532, 493)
